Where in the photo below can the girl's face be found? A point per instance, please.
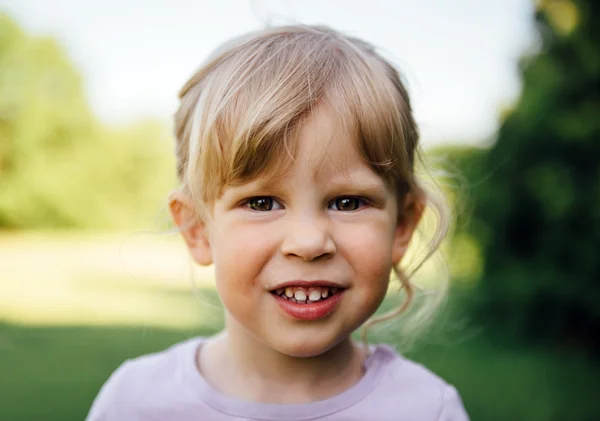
(329, 225)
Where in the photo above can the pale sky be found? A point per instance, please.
(459, 56)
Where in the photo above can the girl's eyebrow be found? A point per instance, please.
(260, 184)
(366, 188)
(358, 180)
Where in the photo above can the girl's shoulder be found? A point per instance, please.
(402, 371)
(411, 390)
(165, 366)
(145, 381)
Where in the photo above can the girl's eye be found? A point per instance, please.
(262, 204)
(347, 204)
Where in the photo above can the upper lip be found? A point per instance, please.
(307, 284)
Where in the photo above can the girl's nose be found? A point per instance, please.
(308, 238)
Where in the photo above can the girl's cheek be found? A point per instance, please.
(240, 253)
(370, 250)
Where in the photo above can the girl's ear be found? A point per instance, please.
(191, 228)
(409, 216)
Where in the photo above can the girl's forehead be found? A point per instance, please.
(325, 150)
(323, 146)
(335, 164)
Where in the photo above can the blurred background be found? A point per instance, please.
(507, 94)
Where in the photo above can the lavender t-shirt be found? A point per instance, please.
(167, 386)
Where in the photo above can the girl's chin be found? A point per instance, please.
(307, 347)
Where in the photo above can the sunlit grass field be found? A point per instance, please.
(73, 307)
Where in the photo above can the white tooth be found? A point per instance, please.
(314, 295)
(289, 292)
(325, 292)
(300, 295)
(279, 291)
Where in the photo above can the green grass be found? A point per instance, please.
(53, 373)
(516, 383)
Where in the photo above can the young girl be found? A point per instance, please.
(296, 150)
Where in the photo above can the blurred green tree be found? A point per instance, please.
(535, 195)
(59, 166)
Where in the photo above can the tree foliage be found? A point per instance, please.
(59, 166)
(536, 192)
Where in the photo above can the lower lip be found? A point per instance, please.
(313, 311)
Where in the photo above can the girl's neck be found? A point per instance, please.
(238, 365)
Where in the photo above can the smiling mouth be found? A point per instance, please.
(306, 295)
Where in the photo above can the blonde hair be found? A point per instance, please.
(240, 111)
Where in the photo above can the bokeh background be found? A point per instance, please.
(507, 94)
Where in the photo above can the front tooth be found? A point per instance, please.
(314, 295)
(325, 292)
(300, 295)
(289, 292)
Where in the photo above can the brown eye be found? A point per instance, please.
(347, 204)
(260, 204)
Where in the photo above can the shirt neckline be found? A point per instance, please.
(289, 412)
